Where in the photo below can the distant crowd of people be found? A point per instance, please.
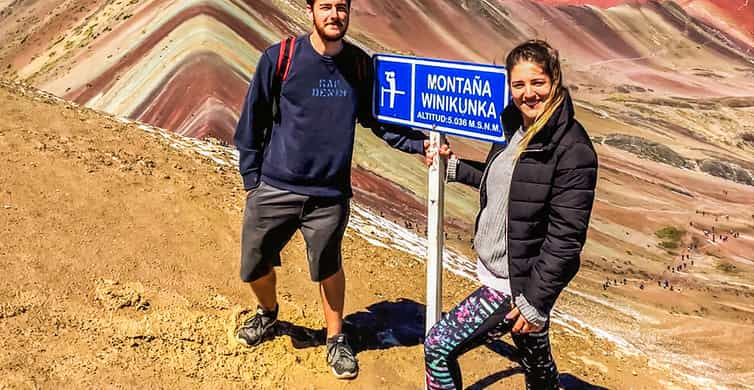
(686, 261)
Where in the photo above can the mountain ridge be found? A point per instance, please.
(121, 58)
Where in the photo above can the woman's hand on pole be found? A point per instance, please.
(521, 325)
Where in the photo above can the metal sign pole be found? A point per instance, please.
(435, 236)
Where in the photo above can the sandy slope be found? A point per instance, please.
(119, 257)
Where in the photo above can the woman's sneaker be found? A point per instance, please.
(258, 328)
(340, 357)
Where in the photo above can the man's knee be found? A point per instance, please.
(258, 274)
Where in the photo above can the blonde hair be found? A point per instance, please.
(542, 54)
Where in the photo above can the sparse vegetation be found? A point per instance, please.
(647, 149)
(629, 88)
(727, 171)
(671, 238)
(726, 267)
(670, 233)
(669, 245)
(748, 138)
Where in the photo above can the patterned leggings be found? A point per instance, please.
(478, 317)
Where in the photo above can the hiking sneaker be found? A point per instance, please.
(340, 357)
(258, 328)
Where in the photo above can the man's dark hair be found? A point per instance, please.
(311, 3)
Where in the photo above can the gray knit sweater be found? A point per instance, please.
(491, 239)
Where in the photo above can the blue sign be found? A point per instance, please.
(451, 97)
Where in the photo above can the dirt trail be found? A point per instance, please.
(120, 259)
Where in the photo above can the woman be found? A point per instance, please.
(536, 200)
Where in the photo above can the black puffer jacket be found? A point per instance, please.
(550, 203)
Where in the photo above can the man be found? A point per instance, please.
(296, 166)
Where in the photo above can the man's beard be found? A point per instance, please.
(329, 37)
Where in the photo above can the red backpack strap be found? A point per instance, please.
(283, 66)
(283, 44)
(289, 57)
(285, 57)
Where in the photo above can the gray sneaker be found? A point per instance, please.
(258, 328)
(340, 357)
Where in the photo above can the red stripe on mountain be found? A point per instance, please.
(181, 102)
(105, 80)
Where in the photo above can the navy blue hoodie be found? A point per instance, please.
(309, 149)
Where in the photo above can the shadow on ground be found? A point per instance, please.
(400, 323)
(382, 325)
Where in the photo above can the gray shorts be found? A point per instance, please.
(271, 217)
